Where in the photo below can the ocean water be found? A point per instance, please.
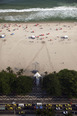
(38, 10)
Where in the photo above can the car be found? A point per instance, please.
(65, 112)
(10, 108)
(57, 108)
(75, 105)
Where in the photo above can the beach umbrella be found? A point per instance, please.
(37, 36)
(42, 34)
(12, 34)
(33, 37)
(2, 36)
(66, 37)
(48, 33)
(32, 31)
(56, 29)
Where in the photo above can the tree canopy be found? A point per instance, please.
(10, 84)
(61, 83)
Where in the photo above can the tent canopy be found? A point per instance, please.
(37, 75)
(33, 37)
(2, 36)
(64, 37)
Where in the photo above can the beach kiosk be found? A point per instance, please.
(37, 77)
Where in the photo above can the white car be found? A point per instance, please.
(65, 112)
(57, 108)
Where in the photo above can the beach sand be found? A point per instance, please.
(47, 52)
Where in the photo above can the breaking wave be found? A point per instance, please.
(38, 9)
(38, 13)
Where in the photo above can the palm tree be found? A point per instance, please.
(9, 69)
(20, 72)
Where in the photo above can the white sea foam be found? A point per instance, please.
(38, 9)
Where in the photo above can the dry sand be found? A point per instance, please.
(47, 52)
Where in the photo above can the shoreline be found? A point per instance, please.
(46, 52)
(30, 22)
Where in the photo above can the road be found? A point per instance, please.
(35, 97)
